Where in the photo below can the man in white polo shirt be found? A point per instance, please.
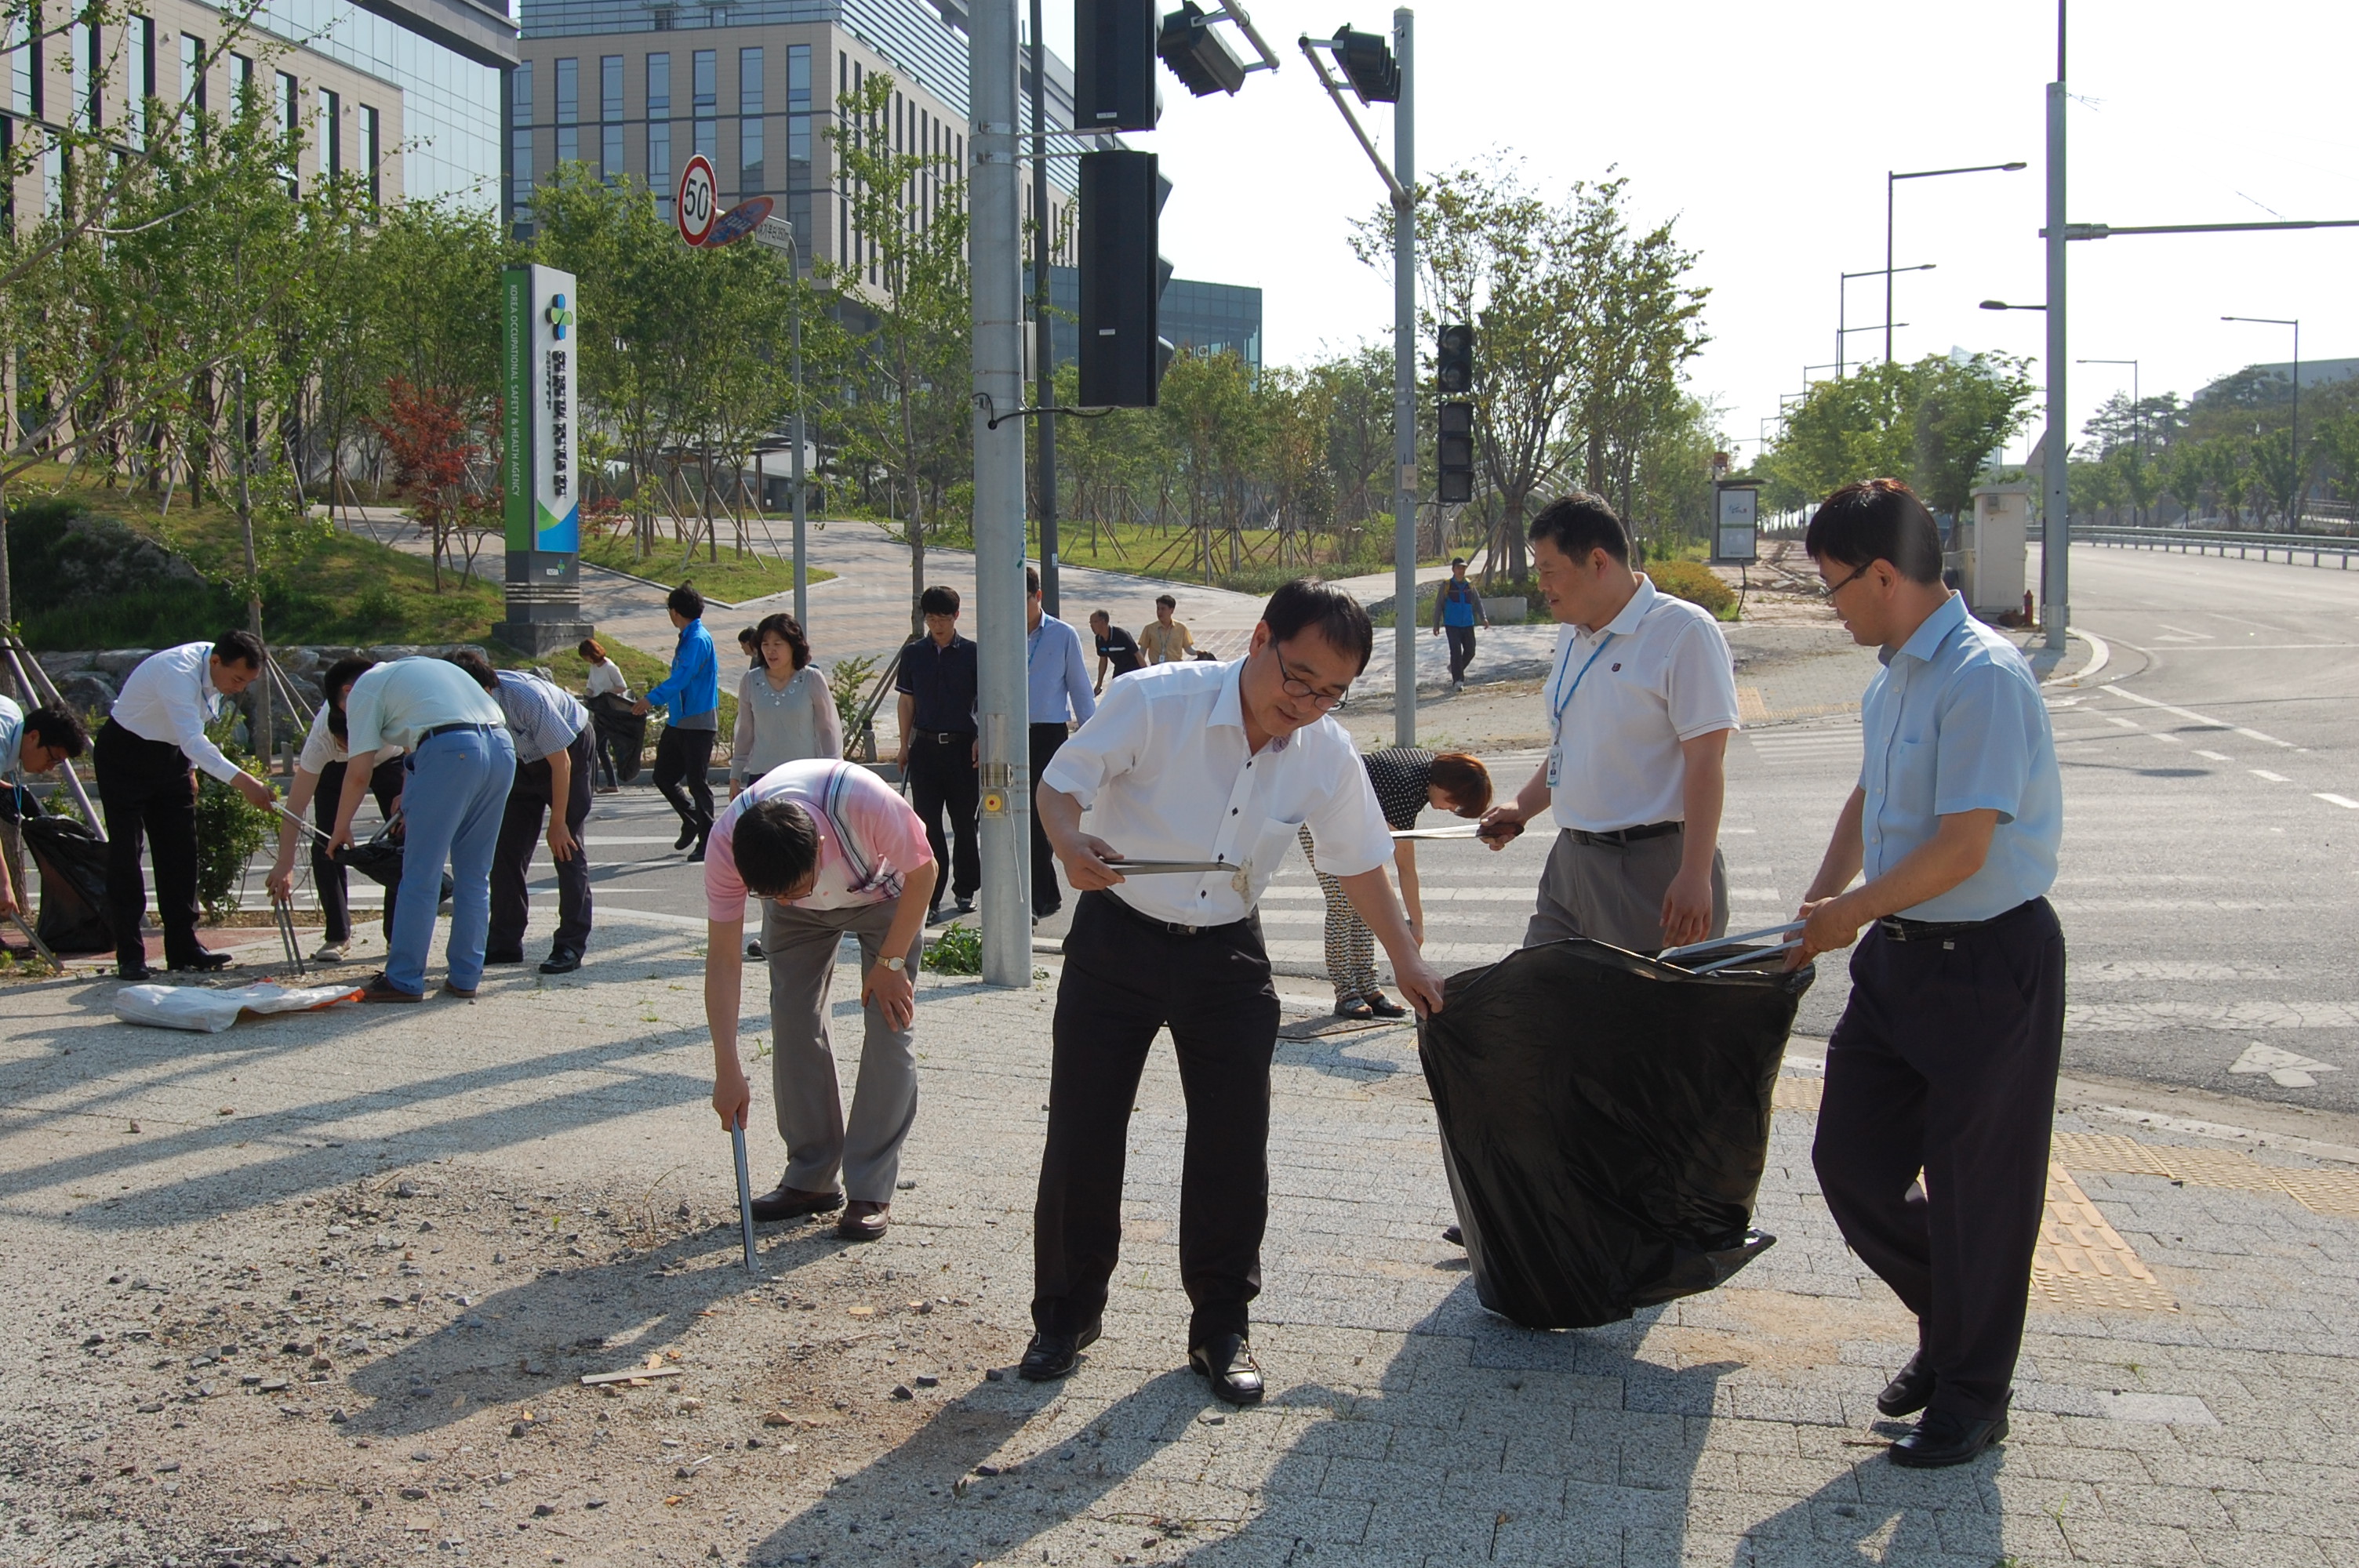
(1641, 707)
(1211, 764)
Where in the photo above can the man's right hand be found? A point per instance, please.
(1091, 864)
(732, 1097)
(255, 790)
(8, 899)
(1501, 826)
(280, 881)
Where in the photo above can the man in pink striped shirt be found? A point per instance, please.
(828, 846)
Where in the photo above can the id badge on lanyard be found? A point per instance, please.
(1556, 714)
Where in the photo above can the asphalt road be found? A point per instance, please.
(2207, 884)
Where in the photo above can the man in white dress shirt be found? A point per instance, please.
(1058, 678)
(148, 791)
(1196, 762)
(1641, 705)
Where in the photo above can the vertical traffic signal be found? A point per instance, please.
(1198, 56)
(1122, 355)
(1114, 65)
(1369, 64)
(1453, 362)
(1453, 453)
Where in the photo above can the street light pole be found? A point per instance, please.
(1044, 370)
(1892, 179)
(1842, 308)
(2137, 422)
(2294, 505)
(2056, 520)
(1404, 388)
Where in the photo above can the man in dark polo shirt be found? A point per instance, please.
(937, 701)
(1115, 647)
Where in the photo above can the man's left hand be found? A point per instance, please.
(562, 842)
(893, 991)
(1419, 981)
(640, 709)
(1687, 907)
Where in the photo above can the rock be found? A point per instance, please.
(499, 1257)
(906, 1185)
(542, 1510)
(60, 664)
(321, 1363)
(986, 1470)
(901, 1391)
(413, 1494)
(117, 663)
(87, 691)
(595, 1503)
(405, 1190)
(992, 1375)
(928, 1381)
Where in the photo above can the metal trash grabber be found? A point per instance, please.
(745, 1196)
(284, 910)
(291, 815)
(1670, 955)
(39, 946)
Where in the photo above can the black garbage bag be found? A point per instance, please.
(72, 862)
(1604, 1121)
(625, 732)
(379, 861)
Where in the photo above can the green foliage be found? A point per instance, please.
(230, 829)
(1696, 583)
(1934, 423)
(847, 684)
(957, 951)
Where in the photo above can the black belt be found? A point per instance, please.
(943, 737)
(451, 729)
(1621, 836)
(1901, 930)
(1171, 927)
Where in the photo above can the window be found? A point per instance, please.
(241, 80)
(331, 147)
(705, 102)
(143, 81)
(289, 106)
(86, 71)
(372, 148)
(520, 139)
(24, 65)
(568, 110)
(659, 128)
(610, 116)
(192, 74)
(750, 181)
(799, 146)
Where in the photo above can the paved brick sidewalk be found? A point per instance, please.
(2186, 1394)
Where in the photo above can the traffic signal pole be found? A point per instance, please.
(1404, 390)
(2056, 521)
(1044, 365)
(995, 242)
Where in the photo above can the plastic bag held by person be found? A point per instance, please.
(1604, 1121)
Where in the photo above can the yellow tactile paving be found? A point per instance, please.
(2323, 1191)
(2081, 1262)
(1794, 1092)
(2107, 1151)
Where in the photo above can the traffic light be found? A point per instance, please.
(1196, 54)
(1122, 356)
(1367, 61)
(1453, 362)
(1114, 65)
(1453, 453)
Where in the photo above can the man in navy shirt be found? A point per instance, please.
(1944, 1064)
(936, 687)
(1115, 647)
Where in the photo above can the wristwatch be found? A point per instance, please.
(897, 963)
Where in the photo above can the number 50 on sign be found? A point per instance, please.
(698, 200)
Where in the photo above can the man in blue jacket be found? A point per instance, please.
(1456, 607)
(691, 696)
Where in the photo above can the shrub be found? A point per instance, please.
(1694, 582)
(229, 829)
(958, 951)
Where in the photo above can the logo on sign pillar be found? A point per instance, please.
(560, 316)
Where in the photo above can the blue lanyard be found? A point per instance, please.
(1556, 713)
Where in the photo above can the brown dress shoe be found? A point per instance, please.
(783, 1202)
(381, 988)
(864, 1220)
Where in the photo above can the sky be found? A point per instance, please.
(1766, 132)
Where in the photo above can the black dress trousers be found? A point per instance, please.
(683, 766)
(520, 824)
(1124, 978)
(328, 874)
(943, 783)
(1047, 893)
(149, 794)
(1945, 1064)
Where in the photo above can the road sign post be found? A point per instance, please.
(1736, 523)
(697, 203)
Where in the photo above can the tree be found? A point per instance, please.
(1935, 423)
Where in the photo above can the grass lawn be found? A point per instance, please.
(1148, 551)
(734, 578)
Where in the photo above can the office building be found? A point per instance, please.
(1192, 316)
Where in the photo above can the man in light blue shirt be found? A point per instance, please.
(1057, 679)
(1944, 1064)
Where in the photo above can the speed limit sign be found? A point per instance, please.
(698, 200)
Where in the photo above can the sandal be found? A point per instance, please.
(1383, 1006)
(1355, 1008)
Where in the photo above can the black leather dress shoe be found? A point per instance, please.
(689, 829)
(1052, 1356)
(204, 963)
(134, 973)
(563, 961)
(1455, 1237)
(1227, 1363)
(783, 1202)
(1910, 1390)
(1942, 1439)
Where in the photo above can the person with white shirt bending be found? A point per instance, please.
(148, 791)
(30, 743)
(1640, 709)
(461, 765)
(606, 680)
(1218, 763)
(1057, 678)
(319, 785)
(551, 731)
(785, 712)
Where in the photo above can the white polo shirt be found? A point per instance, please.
(1621, 700)
(1163, 771)
(396, 702)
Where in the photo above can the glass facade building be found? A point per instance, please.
(1207, 318)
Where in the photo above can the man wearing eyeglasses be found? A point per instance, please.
(1220, 764)
(1641, 706)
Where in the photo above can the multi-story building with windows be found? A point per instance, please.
(405, 93)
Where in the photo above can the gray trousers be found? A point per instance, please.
(1614, 892)
(800, 944)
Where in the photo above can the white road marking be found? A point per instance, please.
(2214, 755)
(2204, 718)
(2166, 740)
(2184, 632)
(2342, 800)
(2265, 773)
(2116, 718)
(2286, 1070)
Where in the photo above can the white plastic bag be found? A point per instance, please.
(211, 1011)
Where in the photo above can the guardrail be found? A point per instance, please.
(2318, 548)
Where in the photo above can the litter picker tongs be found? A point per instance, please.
(1721, 944)
(284, 910)
(39, 946)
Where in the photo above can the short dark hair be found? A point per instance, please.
(750, 635)
(776, 844)
(938, 601)
(685, 602)
(1098, 615)
(340, 673)
(1464, 780)
(1031, 579)
(1873, 520)
(1579, 523)
(589, 648)
(789, 629)
(1307, 602)
(239, 648)
(1162, 599)
(60, 732)
(478, 667)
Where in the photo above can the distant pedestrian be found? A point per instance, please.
(829, 849)
(454, 794)
(318, 787)
(1456, 609)
(148, 791)
(552, 733)
(690, 695)
(1940, 1079)
(1407, 781)
(1164, 640)
(938, 685)
(30, 743)
(606, 680)
(785, 711)
(1117, 650)
(1057, 683)
(749, 642)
